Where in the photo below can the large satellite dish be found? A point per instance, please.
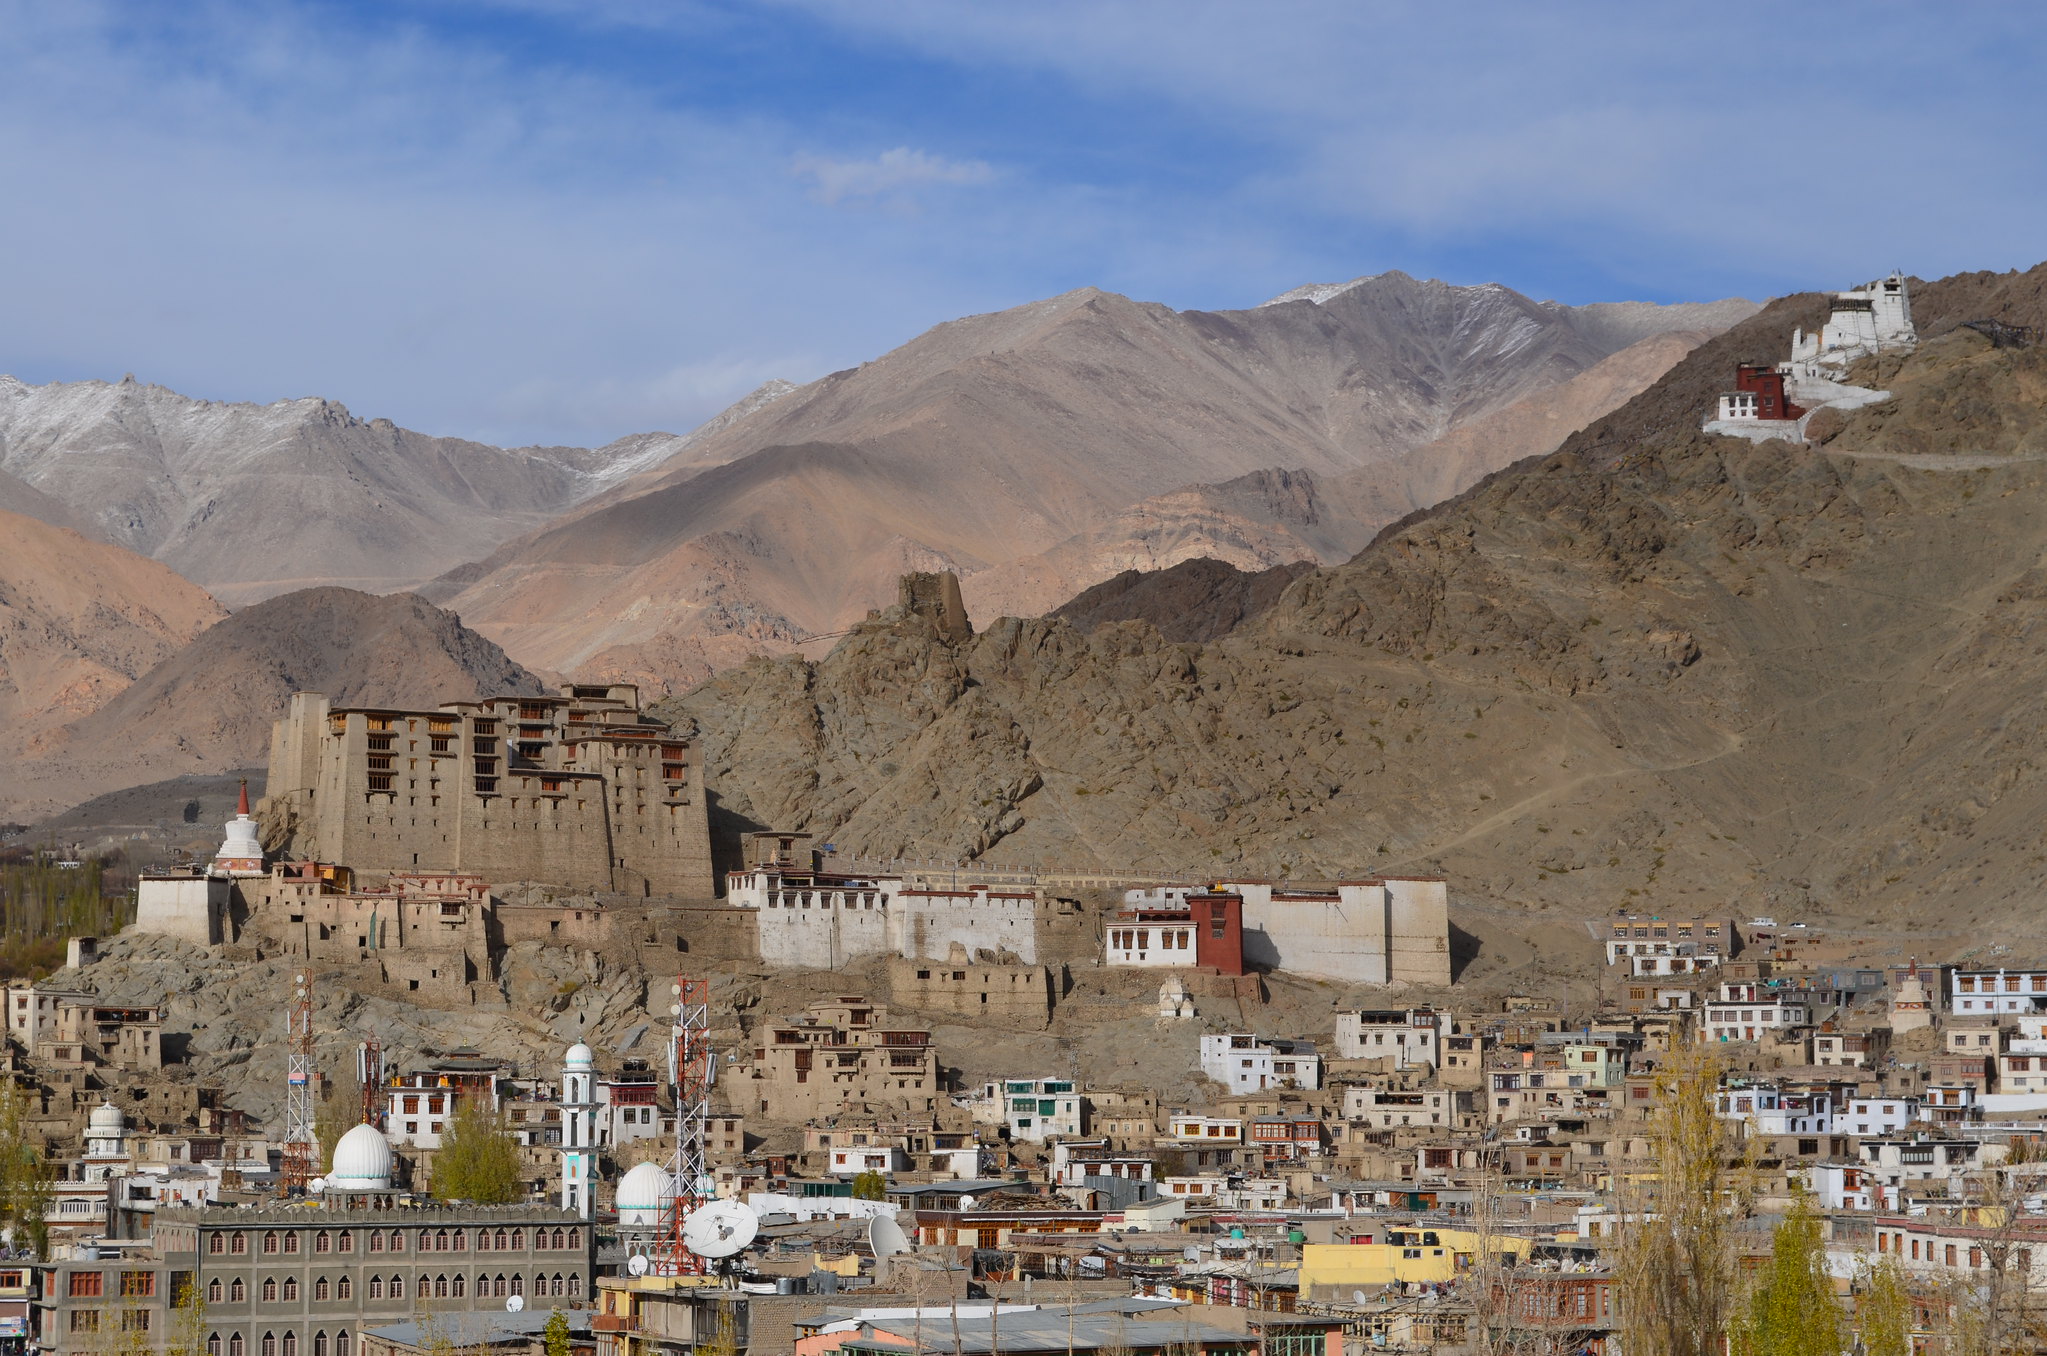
(515, 1304)
(966, 1202)
(885, 1237)
(636, 1264)
(720, 1228)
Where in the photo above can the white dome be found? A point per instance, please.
(579, 1056)
(642, 1194)
(362, 1161)
(107, 1118)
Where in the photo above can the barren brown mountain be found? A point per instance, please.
(1655, 667)
(79, 620)
(208, 706)
(999, 437)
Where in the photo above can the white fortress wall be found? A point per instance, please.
(924, 924)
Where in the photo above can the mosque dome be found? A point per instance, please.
(106, 1119)
(362, 1161)
(579, 1056)
(642, 1194)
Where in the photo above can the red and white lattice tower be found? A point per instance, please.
(692, 1065)
(369, 1071)
(300, 1138)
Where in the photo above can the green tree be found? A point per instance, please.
(477, 1161)
(336, 1117)
(24, 1173)
(1884, 1314)
(1676, 1274)
(554, 1338)
(870, 1186)
(1792, 1310)
(187, 1336)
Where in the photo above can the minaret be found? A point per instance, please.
(241, 854)
(579, 1132)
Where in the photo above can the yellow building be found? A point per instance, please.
(1408, 1253)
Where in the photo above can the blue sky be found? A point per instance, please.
(538, 221)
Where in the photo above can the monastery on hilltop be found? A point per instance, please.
(1775, 402)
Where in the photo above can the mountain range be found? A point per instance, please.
(1038, 451)
(1654, 665)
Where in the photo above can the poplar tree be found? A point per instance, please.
(1884, 1315)
(478, 1160)
(1793, 1310)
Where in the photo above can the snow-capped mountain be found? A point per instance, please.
(253, 500)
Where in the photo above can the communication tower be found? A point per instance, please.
(300, 1138)
(692, 1066)
(369, 1071)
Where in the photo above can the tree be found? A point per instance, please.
(554, 1338)
(1884, 1316)
(24, 1173)
(336, 1117)
(1675, 1276)
(477, 1161)
(870, 1186)
(1792, 1310)
(187, 1336)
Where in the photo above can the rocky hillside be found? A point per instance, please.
(1021, 437)
(256, 500)
(79, 620)
(1655, 666)
(1196, 600)
(208, 706)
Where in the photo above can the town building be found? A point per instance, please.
(1393, 929)
(1997, 991)
(1202, 930)
(582, 790)
(1410, 1037)
(842, 1053)
(1244, 1063)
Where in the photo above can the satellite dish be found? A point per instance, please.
(966, 1202)
(1357, 1297)
(636, 1264)
(515, 1304)
(317, 1185)
(1190, 1253)
(885, 1237)
(720, 1228)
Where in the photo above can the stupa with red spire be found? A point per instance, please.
(241, 854)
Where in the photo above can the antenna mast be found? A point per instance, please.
(369, 1071)
(692, 1066)
(299, 1134)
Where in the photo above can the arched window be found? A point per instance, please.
(322, 1242)
(502, 1241)
(291, 1244)
(376, 1287)
(236, 1291)
(215, 1291)
(575, 1238)
(460, 1239)
(216, 1244)
(440, 1240)
(341, 1343)
(560, 1239)
(518, 1284)
(497, 1287)
(483, 1287)
(346, 1243)
(397, 1241)
(291, 1344)
(234, 1344)
(518, 1239)
(213, 1344)
(575, 1285)
(271, 1242)
(320, 1343)
(344, 1288)
(269, 1344)
(269, 1289)
(440, 1287)
(320, 1288)
(239, 1246)
(291, 1288)
(460, 1287)
(376, 1240)
(556, 1285)
(397, 1287)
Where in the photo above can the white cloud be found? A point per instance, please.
(890, 173)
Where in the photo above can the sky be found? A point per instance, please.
(529, 221)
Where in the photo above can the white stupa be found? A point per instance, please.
(241, 853)
(362, 1161)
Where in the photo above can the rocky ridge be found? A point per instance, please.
(1653, 666)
